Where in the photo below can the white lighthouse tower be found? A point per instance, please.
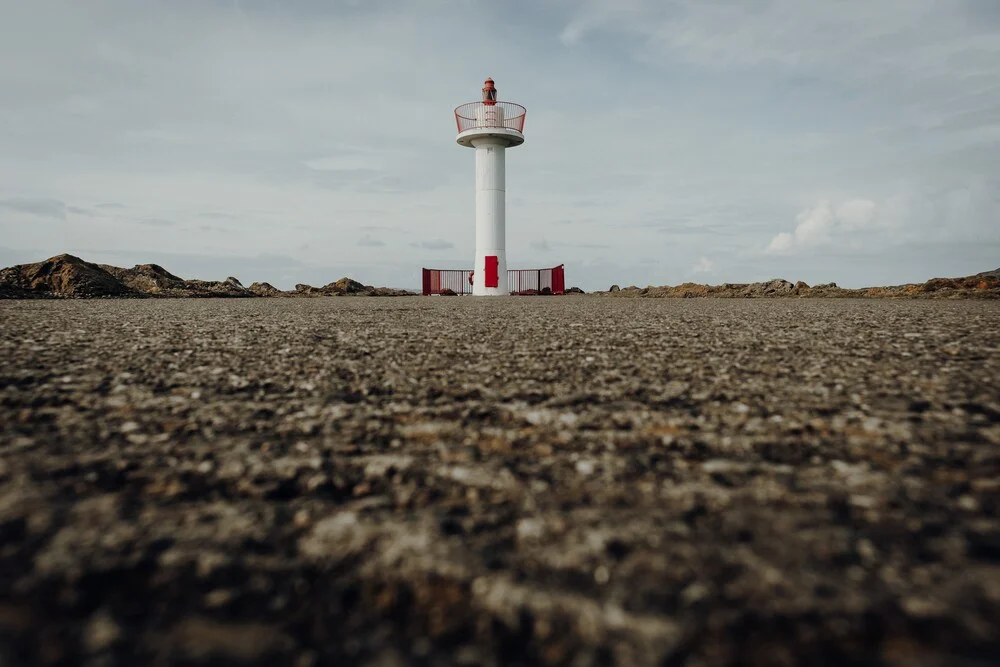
(490, 127)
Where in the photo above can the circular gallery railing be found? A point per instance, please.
(475, 115)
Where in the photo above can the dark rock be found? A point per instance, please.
(229, 288)
(935, 284)
(776, 287)
(63, 275)
(346, 286)
(615, 288)
(574, 290)
(148, 278)
(265, 289)
(154, 280)
(388, 291)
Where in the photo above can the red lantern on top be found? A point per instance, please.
(489, 93)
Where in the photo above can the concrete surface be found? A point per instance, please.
(565, 480)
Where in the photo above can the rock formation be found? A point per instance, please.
(148, 278)
(265, 289)
(980, 286)
(154, 280)
(69, 276)
(62, 275)
(347, 287)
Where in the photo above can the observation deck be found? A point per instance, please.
(498, 120)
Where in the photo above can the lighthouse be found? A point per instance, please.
(490, 127)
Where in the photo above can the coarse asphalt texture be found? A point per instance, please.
(459, 481)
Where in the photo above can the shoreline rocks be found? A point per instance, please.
(68, 276)
(984, 285)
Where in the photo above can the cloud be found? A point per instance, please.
(916, 215)
(703, 265)
(43, 208)
(434, 244)
(367, 241)
(823, 224)
(856, 213)
(160, 222)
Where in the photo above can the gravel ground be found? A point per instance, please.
(565, 480)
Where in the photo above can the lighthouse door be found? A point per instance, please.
(492, 276)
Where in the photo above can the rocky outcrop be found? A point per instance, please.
(68, 276)
(154, 280)
(980, 286)
(229, 288)
(148, 278)
(62, 275)
(574, 290)
(347, 287)
(265, 289)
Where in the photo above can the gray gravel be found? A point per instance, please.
(565, 480)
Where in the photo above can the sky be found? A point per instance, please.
(299, 141)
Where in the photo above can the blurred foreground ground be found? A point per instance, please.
(565, 480)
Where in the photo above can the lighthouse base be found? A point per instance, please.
(489, 276)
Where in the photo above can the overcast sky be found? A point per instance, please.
(667, 140)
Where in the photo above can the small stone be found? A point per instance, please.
(694, 592)
(921, 607)
(530, 530)
(601, 575)
(968, 503)
(101, 632)
(480, 586)
(867, 552)
(220, 597)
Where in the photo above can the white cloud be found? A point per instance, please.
(856, 213)
(824, 224)
(703, 265)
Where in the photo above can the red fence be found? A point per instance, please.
(502, 114)
(537, 281)
(519, 281)
(444, 281)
